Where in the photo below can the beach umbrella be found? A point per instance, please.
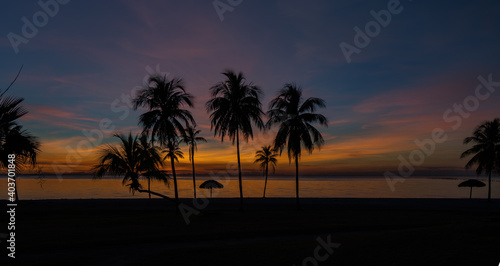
(471, 183)
(210, 184)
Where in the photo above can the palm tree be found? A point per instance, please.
(133, 158)
(13, 138)
(173, 152)
(266, 156)
(192, 139)
(150, 151)
(234, 106)
(486, 149)
(295, 118)
(165, 118)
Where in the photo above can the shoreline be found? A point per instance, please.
(280, 177)
(428, 204)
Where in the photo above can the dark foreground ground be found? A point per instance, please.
(268, 232)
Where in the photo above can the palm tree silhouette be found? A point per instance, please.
(486, 149)
(266, 156)
(295, 118)
(165, 118)
(131, 159)
(13, 138)
(234, 106)
(151, 151)
(173, 152)
(192, 139)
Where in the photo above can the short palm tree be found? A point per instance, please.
(173, 152)
(234, 107)
(295, 118)
(13, 138)
(266, 156)
(133, 158)
(165, 100)
(486, 150)
(192, 139)
(151, 151)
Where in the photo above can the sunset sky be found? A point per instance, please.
(86, 60)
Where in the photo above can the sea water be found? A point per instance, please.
(84, 187)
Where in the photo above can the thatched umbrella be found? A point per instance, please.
(210, 184)
(471, 183)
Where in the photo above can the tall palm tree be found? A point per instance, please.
(13, 138)
(173, 152)
(295, 118)
(234, 106)
(192, 139)
(132, 159)
(166, 117)
(486, 149)
(266, 156)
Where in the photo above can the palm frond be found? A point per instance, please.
(235, 106)
(295, 118)
(165, 100)
(485, 151)
(133, 157)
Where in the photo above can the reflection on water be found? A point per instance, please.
(354, 187)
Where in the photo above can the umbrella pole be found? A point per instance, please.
(470, 196)
(210, 192)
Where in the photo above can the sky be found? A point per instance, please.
(393, 74)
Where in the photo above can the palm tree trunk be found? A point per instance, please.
(17, 196)
(239, 167)
(15, 189)
(175, 179)
(489, 187)
(297, 180)
(149, 186)
(265, 183)
(194, 176)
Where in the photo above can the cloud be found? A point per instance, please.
(58, 117)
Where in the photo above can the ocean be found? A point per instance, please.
(84, 187)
